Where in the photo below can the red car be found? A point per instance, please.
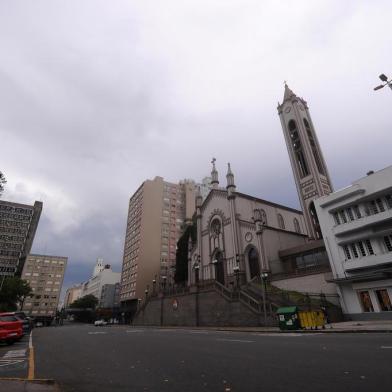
(11, 328)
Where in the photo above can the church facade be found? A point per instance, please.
(241, 237)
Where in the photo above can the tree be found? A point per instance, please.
(2, 182)
(181, 274)
(86, 302)
(13, 291)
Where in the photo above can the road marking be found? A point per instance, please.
(97, 333)
(235, 340)
(7, 362)
(30, 375)
(386, 346)
(133, 330)
(200, 332)
(15, 354)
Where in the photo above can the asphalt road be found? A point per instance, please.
(86, 358)
(14, 359)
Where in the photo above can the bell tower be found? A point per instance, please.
(307, 161)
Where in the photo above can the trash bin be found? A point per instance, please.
(311, 319)
(288, 318)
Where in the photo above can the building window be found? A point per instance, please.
(347, 252)
(388, 199)
(336, 217)
(369, 247)
(343, 216)
(350, 213)
(354, 250)
(281, 221)
(357, 212)
(383, 300)
(297, 147)
(296, 226)
(388, 242)
(380, 205)
(366, 301)
(316, 154)
(361, 248)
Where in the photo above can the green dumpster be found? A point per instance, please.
(288, 318)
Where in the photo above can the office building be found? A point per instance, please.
(45, 275)
(18, 224)
(356, 223)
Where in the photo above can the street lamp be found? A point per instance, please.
(197, 267)
(264, 277)
(146, 293)
(164, 282)
(154, 281)
(236, 270)
(387, 82)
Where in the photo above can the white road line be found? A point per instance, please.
(386, 346)
(235, 340)
(15, 354)
(97, 333)
(10, 362)
(199, 332)
(133, 330)
(31, 340)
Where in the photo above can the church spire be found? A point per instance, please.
(288, 93)
(230, 177)
(214, 175)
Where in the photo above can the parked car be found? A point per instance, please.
(100, 323)
(11, 328)
(27, 322)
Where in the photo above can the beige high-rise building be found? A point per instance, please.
(45, 275)
(158, 212)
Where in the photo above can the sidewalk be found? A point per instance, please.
(384, 326)
(16, 385)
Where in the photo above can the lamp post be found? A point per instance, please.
(236, 270)
(387, 82)
(197, 268)
(139, 303)
(146, 293)
(264, 277)
(164, 283)
(154, 281)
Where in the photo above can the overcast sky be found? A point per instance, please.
(97, 96)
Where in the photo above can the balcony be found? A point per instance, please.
(368, 262)
(362, 223)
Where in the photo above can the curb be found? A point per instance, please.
(268, 331)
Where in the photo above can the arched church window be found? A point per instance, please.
(216, 226)
(281, 221)
(296, 226)
(297, 147)
(260, 215)
(314, 147)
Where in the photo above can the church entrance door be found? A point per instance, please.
(219, 269)
(254, 265)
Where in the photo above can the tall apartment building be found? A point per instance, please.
(158, 212)
(18, 224)
(45, 275)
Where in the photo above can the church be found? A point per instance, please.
(241, 238)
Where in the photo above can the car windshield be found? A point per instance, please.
(8, 318)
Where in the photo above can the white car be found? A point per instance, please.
(100, 323)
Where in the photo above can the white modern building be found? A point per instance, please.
(356, 223)
(102, 275)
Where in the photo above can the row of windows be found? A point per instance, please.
(358, 249)
(372, 207)
(7, 237)
(261, 215)
(365, 248)
(18, 210)
(12, 223)
(8, 245)
(18, 217)
(8, 253)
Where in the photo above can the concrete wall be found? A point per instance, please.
(206, 308)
